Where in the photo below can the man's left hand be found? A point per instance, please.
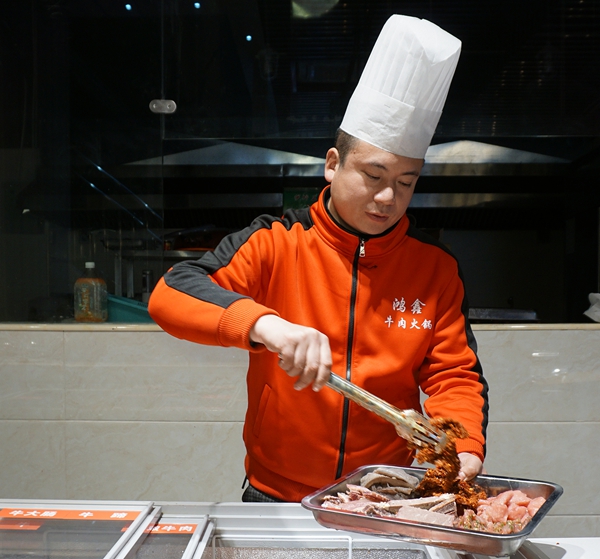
(470, 466)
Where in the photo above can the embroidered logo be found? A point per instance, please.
(411, 322)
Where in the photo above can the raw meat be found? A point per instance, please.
(506, 513)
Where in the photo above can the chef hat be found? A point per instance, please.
(400, 95)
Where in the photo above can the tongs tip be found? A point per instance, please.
(419, 430)
(440, 443)
(431, 440)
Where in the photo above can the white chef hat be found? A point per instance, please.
(399, 98)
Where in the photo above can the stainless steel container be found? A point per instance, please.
(497, 545)
(168, 530)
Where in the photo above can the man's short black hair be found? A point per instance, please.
(344, 143)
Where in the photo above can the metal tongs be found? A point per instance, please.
(409, 424)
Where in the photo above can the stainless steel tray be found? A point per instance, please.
(459, 539)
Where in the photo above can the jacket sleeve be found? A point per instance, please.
(452, 376)
(211, 301)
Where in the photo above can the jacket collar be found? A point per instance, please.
(347, 241)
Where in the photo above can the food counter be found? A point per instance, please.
(136, 530)
(124, 411)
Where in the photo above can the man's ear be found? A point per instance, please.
(332, 163)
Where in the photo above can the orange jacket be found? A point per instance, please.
(395, 316)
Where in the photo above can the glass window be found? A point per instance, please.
(135, 134)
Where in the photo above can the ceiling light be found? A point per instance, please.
(305, 9)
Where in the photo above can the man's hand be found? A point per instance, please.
(303, 352)
(470, 466)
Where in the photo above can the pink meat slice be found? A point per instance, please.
(494, 512)
(502, 498)
(535, 505)
(519, 498)
(516, 512)
(359, 492)
(359, 505)
(498, 512)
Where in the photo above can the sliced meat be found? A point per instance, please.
(374, 479)
(359, 492)
(429, 502)
(398, 473)
(337, 499)
(443, 504)
(447, 506)
(393, 492)
(362, 506)
(420, 515)
(393, 505)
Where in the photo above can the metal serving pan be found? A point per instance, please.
(459, 539)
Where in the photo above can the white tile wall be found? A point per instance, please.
(32, 375)
(154, 460)
(542, 375)
(32, 459)
(139, 415)
(149, 376)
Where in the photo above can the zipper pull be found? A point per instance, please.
(361, 250)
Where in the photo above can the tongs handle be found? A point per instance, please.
(363, 398)
(409, 425)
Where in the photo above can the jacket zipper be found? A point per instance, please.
(360, 253)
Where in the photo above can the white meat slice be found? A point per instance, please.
(373, 479)
(398, 473)
(448, 506)
(392, 492)
(416, 514)
(444, 504)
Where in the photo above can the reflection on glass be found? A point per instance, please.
(311, 8)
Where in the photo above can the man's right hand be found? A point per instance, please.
(303, 352)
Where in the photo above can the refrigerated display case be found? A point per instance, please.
(169, 530)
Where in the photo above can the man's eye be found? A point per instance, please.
(373, 177)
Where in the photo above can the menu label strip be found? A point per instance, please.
(63, 514)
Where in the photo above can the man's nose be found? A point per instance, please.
(386, 195)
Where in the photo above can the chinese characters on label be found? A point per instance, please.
(411, 322)
(69, 514)
(173, 529)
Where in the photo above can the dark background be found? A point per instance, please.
(76, 79)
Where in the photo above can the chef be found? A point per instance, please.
(348, 285)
